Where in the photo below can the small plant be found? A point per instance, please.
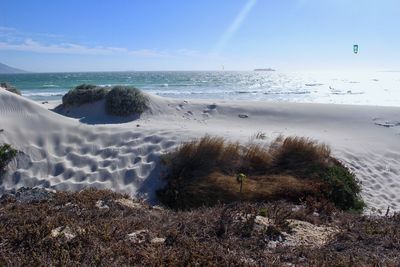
(280, 216)
(260, 135)
(7, 153)
(10, 88)
(240, 178)
(124, 101)
(263, 212)
(273, 233)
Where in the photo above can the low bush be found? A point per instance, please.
(10, 88)
(343, 188)
(203, 172)
(83, 94)
(7, 153)
(119, 100)
(124, 101)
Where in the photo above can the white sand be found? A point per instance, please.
(94, 149)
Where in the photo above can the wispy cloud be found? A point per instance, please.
(15, 34)
(149, 53)
(12, 39)
(6, 29)
(235, 25)
(30, 45)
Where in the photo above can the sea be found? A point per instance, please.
(357, 88)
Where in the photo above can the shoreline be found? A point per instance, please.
(51, 104)
(360, 88)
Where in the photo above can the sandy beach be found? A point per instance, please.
(88, 148)
(199, 133)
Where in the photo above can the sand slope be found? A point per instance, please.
(65, 154)
(92, 149)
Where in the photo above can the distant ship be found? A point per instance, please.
(268, 69)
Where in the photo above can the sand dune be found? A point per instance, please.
(94, 149)
(65, 154)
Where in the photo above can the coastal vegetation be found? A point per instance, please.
(10, 88)
(119, 100)
(103, 228)
(285, 204)
(83, 94)
(7, 154)
(204, 173)
(125, 100)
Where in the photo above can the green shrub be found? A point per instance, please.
(83, 94)
(10, 88)
(119, 100)
(124, 101)
(7, 153)
(343, 188)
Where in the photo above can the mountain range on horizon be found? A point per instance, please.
(5, 69)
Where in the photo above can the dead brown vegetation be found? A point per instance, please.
(223, 235)
(203, 172)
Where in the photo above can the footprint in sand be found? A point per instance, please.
(181, 106)
(189, 113)
(210, 109)
(385, 123)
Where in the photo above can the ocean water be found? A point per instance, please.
(361, 88)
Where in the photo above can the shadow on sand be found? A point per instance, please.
(93, 114)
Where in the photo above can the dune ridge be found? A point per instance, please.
(65, 154)
(92, 149)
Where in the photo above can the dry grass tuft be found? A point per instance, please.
(203, 172)
(256, 159)
(203, 157)
(299, 155)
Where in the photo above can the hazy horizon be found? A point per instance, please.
(289, 35)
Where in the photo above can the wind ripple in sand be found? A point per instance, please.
(64, 154)
(125, 161)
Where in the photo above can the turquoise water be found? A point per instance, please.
(373, 88)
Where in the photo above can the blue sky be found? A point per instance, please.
(99, 35)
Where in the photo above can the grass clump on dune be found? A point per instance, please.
(299, 155)
(125, 100)
(119, 100)
(7, 154)
(10, 88)
(83, 94)
(203, 172)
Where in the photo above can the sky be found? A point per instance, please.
(122, 35)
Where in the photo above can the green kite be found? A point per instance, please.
(355, 49)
